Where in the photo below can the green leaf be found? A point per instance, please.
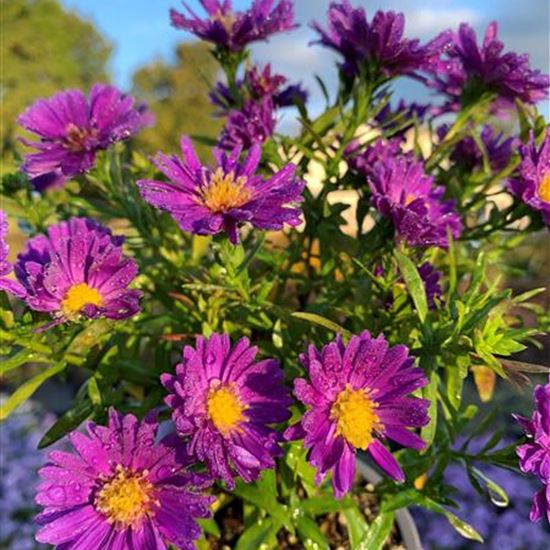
(357, 526)
(378, 533)
(210, 526)
(20, 358)
(496, 493)
(260, 533)
(68, 422)
(311, 535)
(430, 392)
(321, 321)
(21, 394)
(414, 284)
(324, 504)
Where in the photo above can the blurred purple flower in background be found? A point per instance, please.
(532, 183)
(234, 30)
(6, 284)
(208, 201)
(226, 403)
(78, 269)
(19, 437)
(354, 403)
(377, 47)
(72, 128)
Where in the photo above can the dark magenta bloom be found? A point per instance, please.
(72, 128)
(207, 201)
(6, 284)
(121, 489)
(534, 456)
(473, 68)
(378, 46)
(225, 402)
(431, 278)
(234, 30)
(358, 396)
(469, 156)
(402, 191)
(532, 183)
(78, 269)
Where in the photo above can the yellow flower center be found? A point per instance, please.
(223, 192)
(127, 498)
(77, 297)
(544, 188)
(225, 409)
(227, 20)
(355, 418)
(75, 140)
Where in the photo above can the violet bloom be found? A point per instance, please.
(207, 201)
(402, 118)
(234, 30)
(377, 47)
(431, 279)
(468, 155)
(72, 128)
(253, 124)
(121, 490)
(357, 397)
(402, 191)
(363, 162)
(7, 285)
(225, 402)
(473, 68)
(532, 184)
(534, 456)
(78, 269)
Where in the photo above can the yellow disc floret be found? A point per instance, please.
(224, 192)
(224, 409)
(543, 190)
(354, 413)
(126, 498)
(77, 297)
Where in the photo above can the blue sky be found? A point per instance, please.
(140, 32)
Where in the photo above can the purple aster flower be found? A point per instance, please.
(534, 456)
(357, 397)
(469, 156)
(254, 123)
(363, 162)
(487, 67)
(402, 191)
(78, 269)
(532, 185)
(121, 490)
(7, 285)
(378, 47)
(431, 279)
(234, 30)
(224, 402)
(207, 201)
(402, 117)
(72, 128)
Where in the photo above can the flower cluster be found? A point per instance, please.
(208, 201)
(232, 30)
(72, 128)
(7, 284)
(534, 456)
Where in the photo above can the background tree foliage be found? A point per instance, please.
(44, 48)
(178, 95)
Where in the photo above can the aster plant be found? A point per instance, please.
(240, 333)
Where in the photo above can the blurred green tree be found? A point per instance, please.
(178, 95)
(44, 48)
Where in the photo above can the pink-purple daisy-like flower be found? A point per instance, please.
(377, 47)
(226, 402)
(207, 201)
(534, 456)
(121, 489)
(78, 269)
(358, 396)
(403, 192)
(472, 69)
(72, 128)
(234, 30)
(532, 183)
(6, 284)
